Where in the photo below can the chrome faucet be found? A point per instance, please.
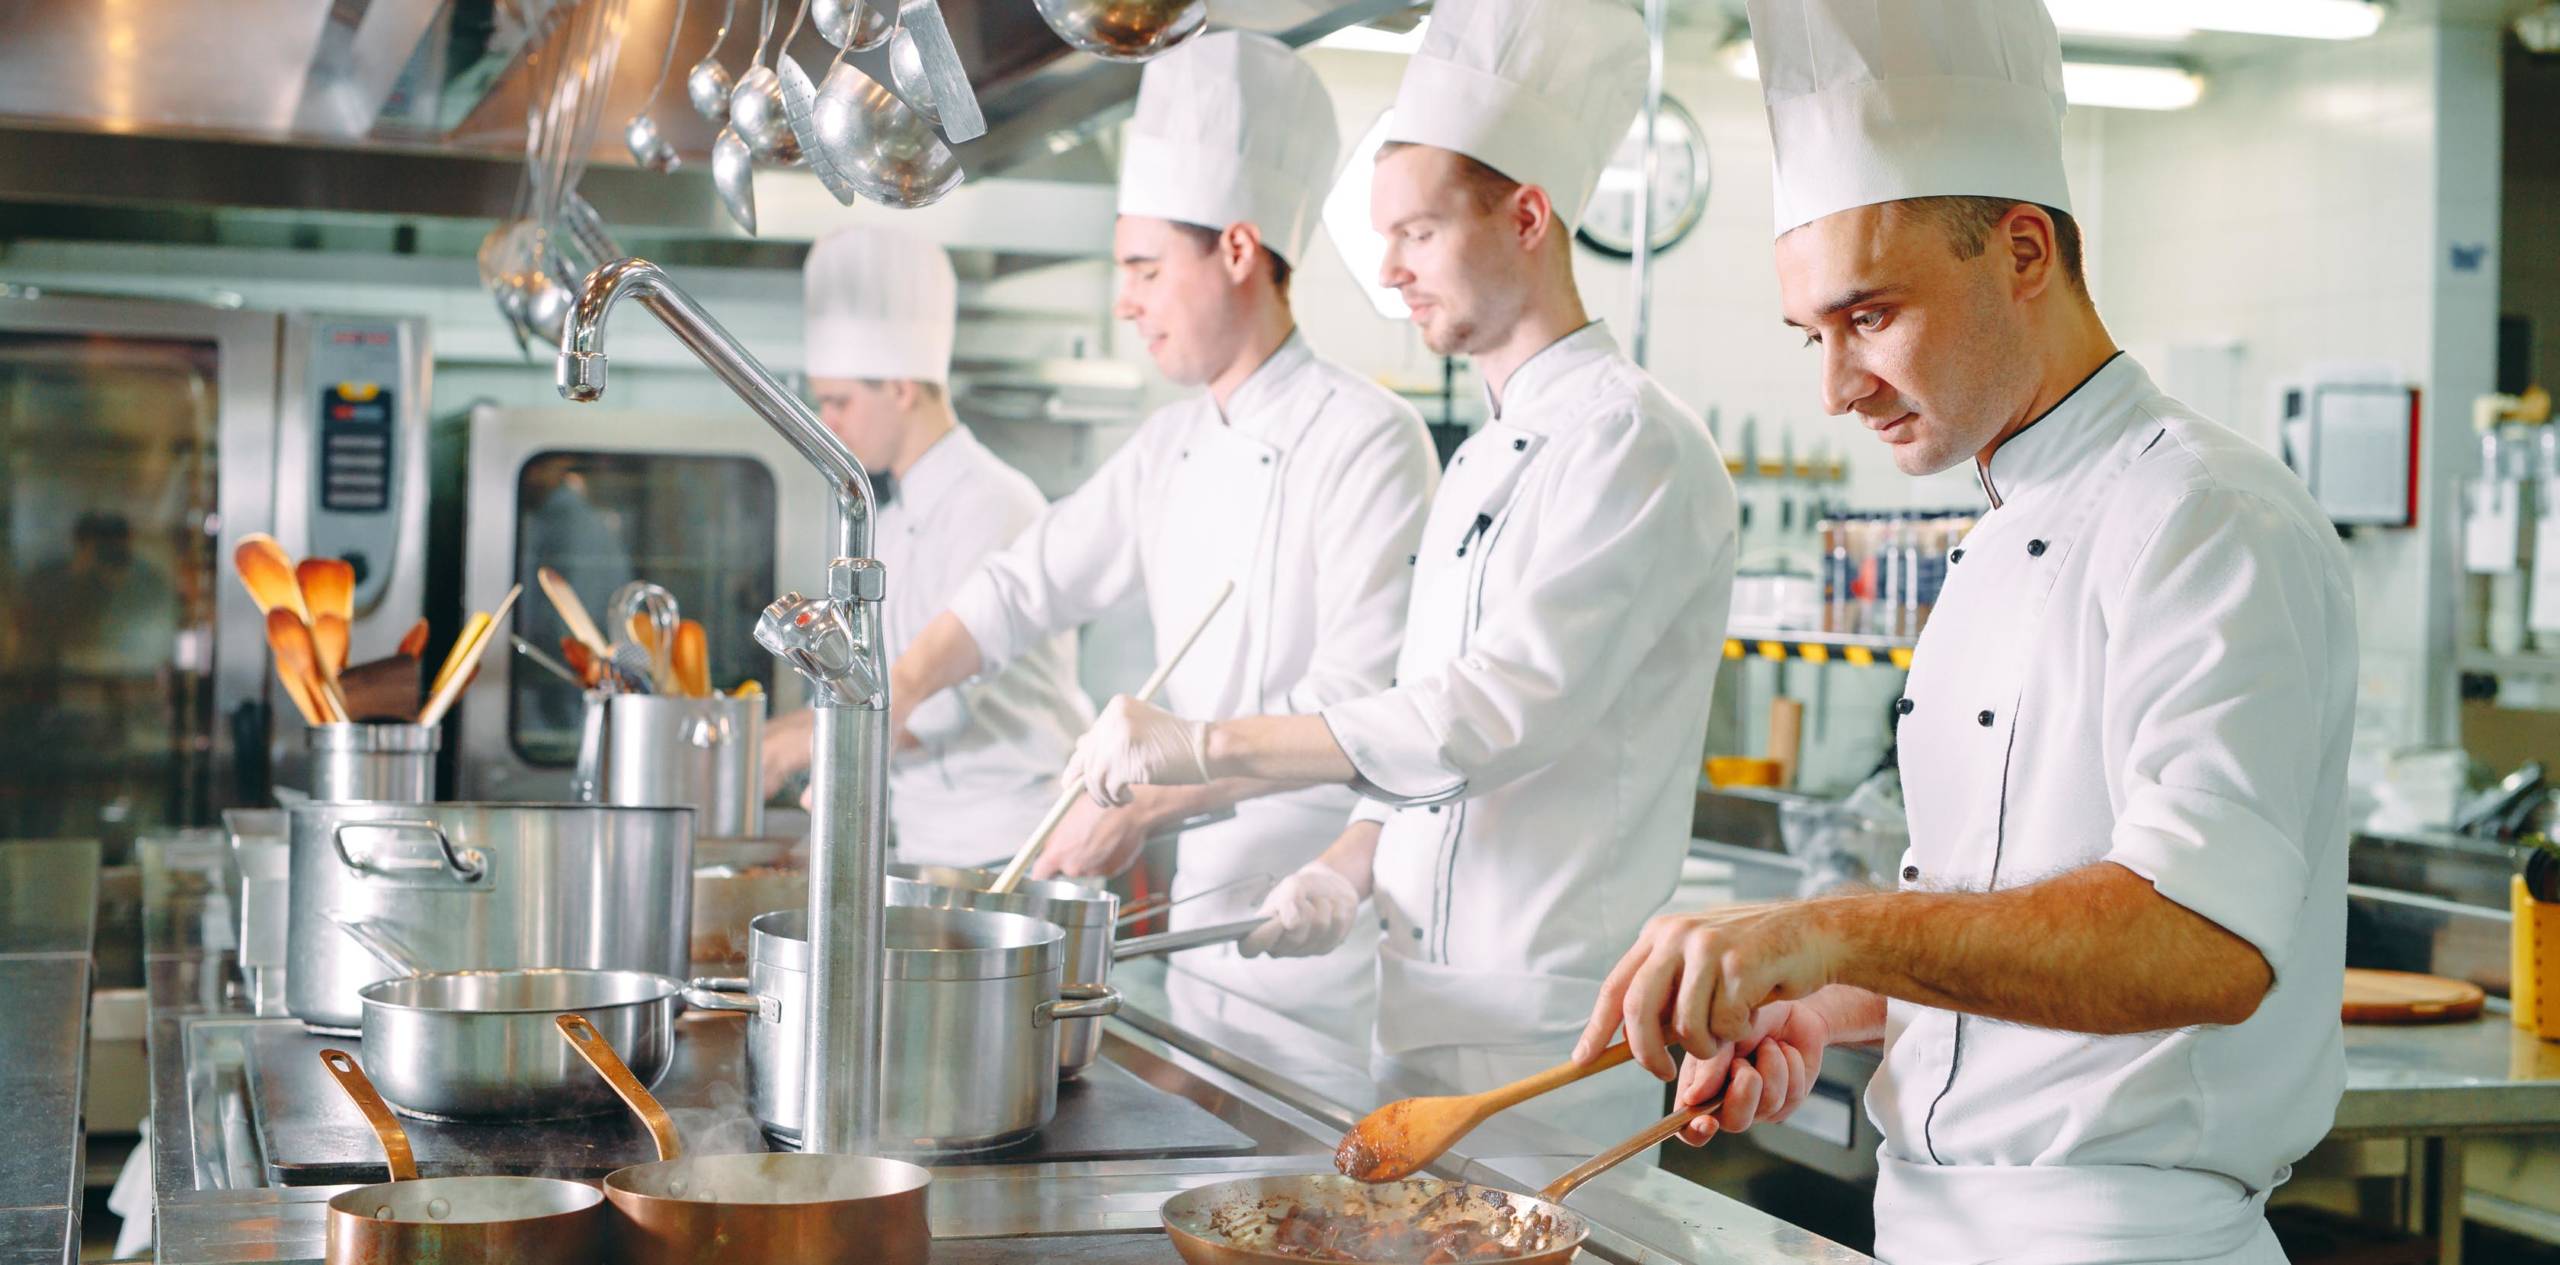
(835, 642)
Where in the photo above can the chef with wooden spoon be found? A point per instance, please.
(2108, 988)
(1531, 773)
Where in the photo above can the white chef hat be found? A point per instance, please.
(1232, 128)
(878, 303)
(1539, 90)
(1880, 100)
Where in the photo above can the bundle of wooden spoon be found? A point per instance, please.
(310, 612)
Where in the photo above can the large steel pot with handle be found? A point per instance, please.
(968, 1010)
(454, 887)
(1084, 913)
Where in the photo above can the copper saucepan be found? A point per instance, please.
(758, 1209)
(1327, 1217)
(454, 1220)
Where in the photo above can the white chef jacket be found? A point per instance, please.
(987, 767)
(1544, 733)
(2144, 654)
(1309, 493)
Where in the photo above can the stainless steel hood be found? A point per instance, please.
(418, 106)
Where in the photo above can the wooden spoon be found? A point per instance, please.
(329, 637)
(644, 634)
(573, 612)
(582, 661)
(413, 643)
(1399, 1139)
(692, 660)
(297, 664)
(268, 572)
(329, 594)
(464, 665)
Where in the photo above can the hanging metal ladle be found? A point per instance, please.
(1124, 30)
(852, 25)
(863, 141)
(648, 148)
(733, 155)
(708, 83)
(755, 108)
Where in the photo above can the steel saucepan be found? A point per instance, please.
(1327, 1217)
(1084, 912)
(480, 1045)
(758, 1209)
(454, 1220)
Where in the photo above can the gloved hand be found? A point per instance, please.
(1310, 912)
(1134, 743)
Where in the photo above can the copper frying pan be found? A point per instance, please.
(760, 1209)
(1326, 1217)
(454, 1220)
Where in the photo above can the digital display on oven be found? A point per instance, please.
(355, 448)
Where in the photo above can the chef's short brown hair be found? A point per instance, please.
(1488, 186)
(1206, 239)
(1968, 222)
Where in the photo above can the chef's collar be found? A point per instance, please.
(2052, 446)
(936, 472)
(1520, 405)
(1254, 408)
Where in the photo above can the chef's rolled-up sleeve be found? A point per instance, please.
(2221, 653)
(1626, 532)
(1074, 562)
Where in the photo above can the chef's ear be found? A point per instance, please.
(1240, 251)
(2028, 239)
(1531, 216)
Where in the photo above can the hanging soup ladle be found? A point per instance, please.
(1124, 30)
(756, 111)
(863, 141)
(852, 25)
(640, 135)
(708, 84)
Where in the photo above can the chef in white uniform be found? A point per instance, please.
(2108, 988)
(1529, 778)
(1299, 481)
(979, 764)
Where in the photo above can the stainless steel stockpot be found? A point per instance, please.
(466, 886)
(969, 1000)
(1084, 913)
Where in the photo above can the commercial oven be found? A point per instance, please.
(140, 441)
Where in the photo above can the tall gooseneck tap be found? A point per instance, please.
(835, 642)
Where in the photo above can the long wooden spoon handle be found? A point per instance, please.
(1554, 1078)
(1654, 1135)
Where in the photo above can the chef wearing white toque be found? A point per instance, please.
(979, 765)
(1301, 482)
(1530, 776)
(2108, 990)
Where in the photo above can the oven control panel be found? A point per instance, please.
(363, 443)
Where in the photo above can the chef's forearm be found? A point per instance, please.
(1292, 749)
(2097, 950)
(941, 656)
(1352, 854)
(1856, 1016)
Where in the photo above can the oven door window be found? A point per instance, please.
(701, 526)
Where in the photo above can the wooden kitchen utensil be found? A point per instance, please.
(464, 663)
(644, 634)
(297, 664)
(329, 593)
(573, 612)
(691, 658)
(1399, 1139)
(413, 643)
(384, 689)
(2403, 997)
(268, 572)
(1021, 863)
(582, 661)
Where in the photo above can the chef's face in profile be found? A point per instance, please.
(1459, 251)
(1189, 307)
(1921, 346)
(868, 416)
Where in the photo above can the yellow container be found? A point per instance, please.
(2534, 986)
(1742, 770)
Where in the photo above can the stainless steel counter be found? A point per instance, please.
(48, 925)
(1290, 1089)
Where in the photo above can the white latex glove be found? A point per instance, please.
(1310, 913)
(1133, 744)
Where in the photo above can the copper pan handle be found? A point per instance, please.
(395, 1140)
(591, 1046)
(1654, 1135)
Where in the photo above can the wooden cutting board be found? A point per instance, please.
(2403, 997)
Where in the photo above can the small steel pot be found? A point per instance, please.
(481, 1045)
(380, 762)
(1085, 914)
(454, 1220)
(969, 1061)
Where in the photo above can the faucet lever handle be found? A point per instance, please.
(817, 640)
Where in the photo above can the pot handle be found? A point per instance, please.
(586, 778)
(599, 1054)
(706, 992)
(1077, 1001)
(398, 1157)
(467, 865)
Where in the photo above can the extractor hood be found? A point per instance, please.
(418, 106)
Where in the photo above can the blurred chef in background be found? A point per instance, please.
(1299, 481)
(2108, 990)
(974, 767)
(1531, 773)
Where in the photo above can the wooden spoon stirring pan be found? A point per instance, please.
(1401, 1138)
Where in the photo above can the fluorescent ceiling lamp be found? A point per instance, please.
(2118, 19)
(2098, 85)
(1369, 39)
(1346, 220)
(2106, 85)
(2177, 19)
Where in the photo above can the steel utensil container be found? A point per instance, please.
(386, 763)
(706, 754)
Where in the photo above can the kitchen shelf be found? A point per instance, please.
(1815, 646)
